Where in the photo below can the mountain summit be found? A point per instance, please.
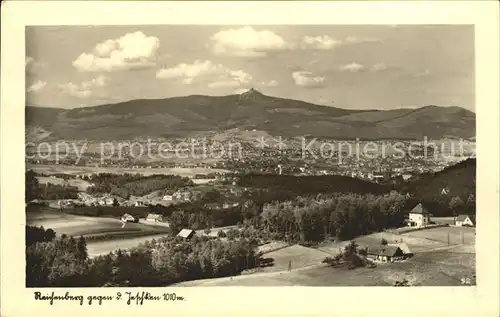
(251, 94)
(182, 116)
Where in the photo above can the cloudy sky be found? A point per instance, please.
(355, 67)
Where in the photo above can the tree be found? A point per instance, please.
(221, 234)
(456, 204)
(383, 242)
(232, 234)
(115, 202)
(212, 195)
(32, 189)
(81, 246)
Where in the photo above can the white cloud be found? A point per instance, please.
(357, 40)
(84, 89)
(270, 83)
(379, 67)
(36, 86)
(323, 42)
(352, 67)
(216, 75)
(133, 50)
(246, 42)
(307, 79)
(32, 65)
(240, 91)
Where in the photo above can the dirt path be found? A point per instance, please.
(215, 281)
(104, 247)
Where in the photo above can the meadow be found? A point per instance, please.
(435, 263)
(92, 228)
(78, 170)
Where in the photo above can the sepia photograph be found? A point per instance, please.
(278, 155)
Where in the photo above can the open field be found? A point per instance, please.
(416, 244)
(298, 255)
(78, 170)
(434, 263)
(104, 247)
(440, 268)
(74, 225)
(444, 220)
(456, 235)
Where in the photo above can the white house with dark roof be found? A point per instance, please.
(419, 216)
(465, 221)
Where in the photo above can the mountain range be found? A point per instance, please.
(252, 110)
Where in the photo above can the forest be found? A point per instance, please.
(63, 261)
(304, 185)
(125, 185)
(33, 189)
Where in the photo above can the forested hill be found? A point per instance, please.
(306, 185)
(457, 180)
(181, 116)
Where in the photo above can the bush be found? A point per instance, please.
(221, 234)
(383, 242)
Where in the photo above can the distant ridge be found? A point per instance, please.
(183, 116)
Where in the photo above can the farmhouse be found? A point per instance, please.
(186, 234)
(404, 247)
(168, 197)
(154, 218)
(465, 221)
(128, 218)
(419, 216)
(386, 253)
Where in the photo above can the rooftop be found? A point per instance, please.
(185, 233)
(419, 209)
(464, 217)
(384, 250)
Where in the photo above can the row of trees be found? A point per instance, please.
(63, 261)
(48, 191)
(344, 216)
(125, 185)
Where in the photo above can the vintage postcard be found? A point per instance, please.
(341, 150)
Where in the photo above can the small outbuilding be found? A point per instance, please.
(186, 233)
(465, 221)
